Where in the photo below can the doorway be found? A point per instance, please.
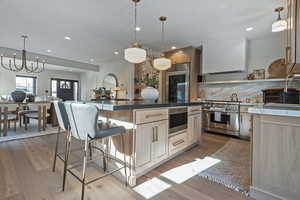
(67, 90)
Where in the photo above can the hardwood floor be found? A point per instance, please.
(25, 174)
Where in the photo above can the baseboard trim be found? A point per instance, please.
(259, 194)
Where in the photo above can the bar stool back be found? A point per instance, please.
(64, 126)
(83, 123)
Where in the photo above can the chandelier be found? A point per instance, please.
(135, 54)
(280, 24)
(162, 63)
(32, 67)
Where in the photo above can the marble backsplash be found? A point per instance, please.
(251, 91)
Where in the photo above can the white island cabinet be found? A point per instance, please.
(151, 138)
(194, 124)
(148, 143)
(154, 145)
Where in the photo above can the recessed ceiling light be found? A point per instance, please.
(67, 38)
(173, 47)
(249, 29)
(116, 53)
(92, 60)
(49, 50)
(137, 28)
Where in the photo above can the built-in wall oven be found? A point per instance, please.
(178, 80)
(178, 120)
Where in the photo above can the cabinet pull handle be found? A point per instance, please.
(156, 128)
(195, 110)
(288, 55)
(153, 115)
(178, 142)
(153, 134)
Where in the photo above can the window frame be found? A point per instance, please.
(34, 82)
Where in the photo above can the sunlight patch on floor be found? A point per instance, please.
(151, 188)
(184, 172)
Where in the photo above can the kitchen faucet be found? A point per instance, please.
(234, 97)
(289, 79)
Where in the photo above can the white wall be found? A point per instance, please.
(8, 80)
(122, 69)
(263, 51)
(260, 53)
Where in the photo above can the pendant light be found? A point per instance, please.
(162, 63)
(135, 54)
(280, 24)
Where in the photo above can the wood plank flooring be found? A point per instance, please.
(25, 174)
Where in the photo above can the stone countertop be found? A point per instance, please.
(276, 109)
(112, 105)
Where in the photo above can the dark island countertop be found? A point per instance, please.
(111, 105)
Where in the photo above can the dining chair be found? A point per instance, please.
(8, 114)
(38, 112)
(84, 127)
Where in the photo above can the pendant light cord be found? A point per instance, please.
(135, 20)
(162, 35)
(24, 42)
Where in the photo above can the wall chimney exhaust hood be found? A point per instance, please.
(293, 37)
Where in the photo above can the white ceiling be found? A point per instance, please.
(99, 27)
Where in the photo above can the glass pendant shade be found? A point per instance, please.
(162, 63)
(135, 55)
(279, 26)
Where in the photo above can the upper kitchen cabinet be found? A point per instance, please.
(224, 56)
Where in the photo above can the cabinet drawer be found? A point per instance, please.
(146, 116)
(194, 110)
(177, 143)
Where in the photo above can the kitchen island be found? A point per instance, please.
(149, 141)
(276, 152)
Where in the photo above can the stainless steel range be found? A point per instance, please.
(222, 117)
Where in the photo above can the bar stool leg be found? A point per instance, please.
(104, 161)
(91, 151)
(124, 158)
(67, 153)
(87, 144)
(15, 125)
(26, 121)
(56, 149)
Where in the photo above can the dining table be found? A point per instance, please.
(23, 109)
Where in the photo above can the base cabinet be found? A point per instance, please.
(151, 143)
(194, 128)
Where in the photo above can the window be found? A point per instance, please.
(26, 84)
